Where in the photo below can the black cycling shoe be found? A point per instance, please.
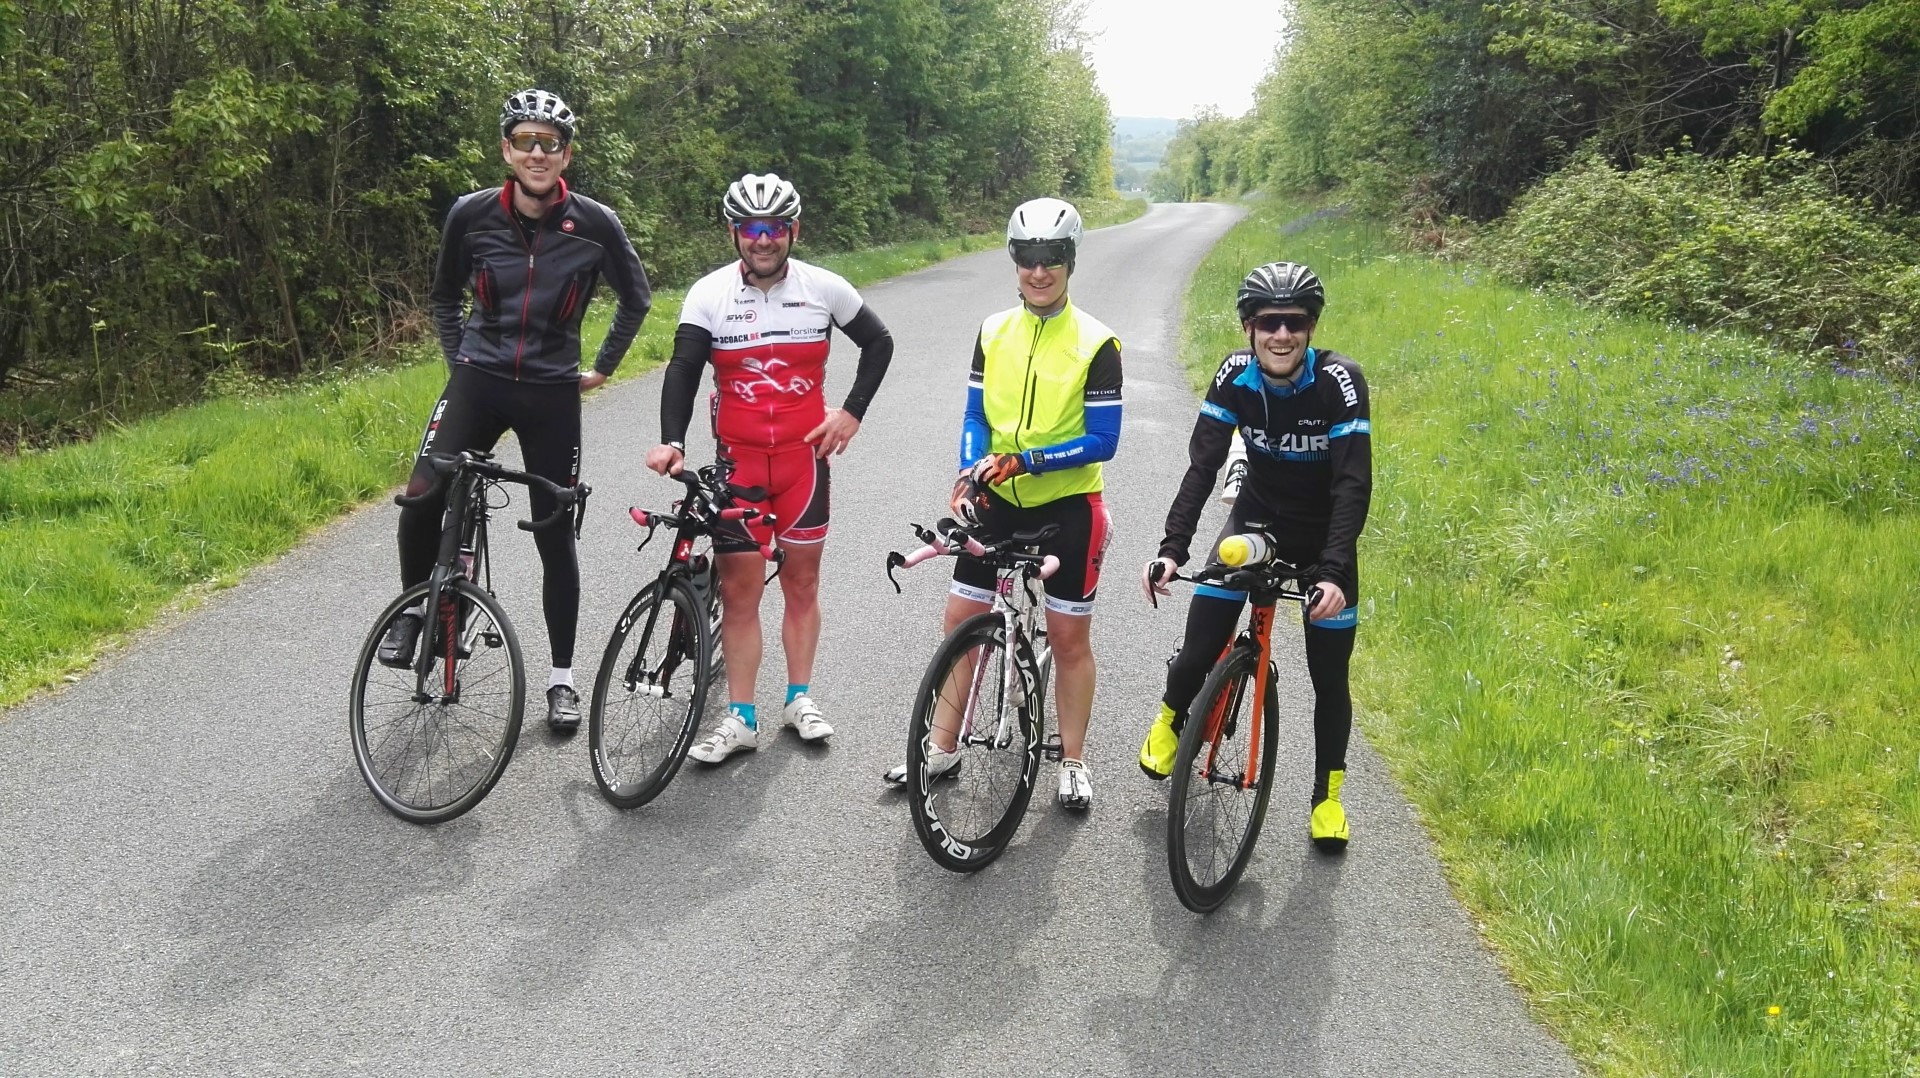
(396, 648)
(563, 709)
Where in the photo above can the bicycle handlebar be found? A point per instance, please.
(445, 465)
(708, 487)
(950, 537)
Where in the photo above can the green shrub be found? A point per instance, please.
(1759, 244)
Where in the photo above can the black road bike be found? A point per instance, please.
(432, 737)
(664, 653)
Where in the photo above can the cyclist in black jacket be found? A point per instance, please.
(1302, 413)
(531, 252)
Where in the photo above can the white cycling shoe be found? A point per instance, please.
(1076, 788)
(731, 736)
(939, 765)
(804, 716)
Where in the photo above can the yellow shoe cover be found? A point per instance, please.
(1158, 751)
(1328, 825)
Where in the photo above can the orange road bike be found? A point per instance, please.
(1223, 772)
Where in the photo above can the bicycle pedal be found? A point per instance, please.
(1051, 747)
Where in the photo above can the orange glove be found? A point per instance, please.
(997, 468)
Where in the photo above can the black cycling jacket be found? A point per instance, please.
(1309, 461)
(529, 295)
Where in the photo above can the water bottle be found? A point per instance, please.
(702, 568)
(1248, 548)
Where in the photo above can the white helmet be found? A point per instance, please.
(1047, 228)
(761, 196)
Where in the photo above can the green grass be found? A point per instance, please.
(97, 538)
(1639, 640)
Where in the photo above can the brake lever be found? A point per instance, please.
(580, 509)
(779, 563)
(895, 560)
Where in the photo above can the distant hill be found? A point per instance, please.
(1139, 142)
(1143, 127)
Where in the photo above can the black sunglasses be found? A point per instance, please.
(1047, 253)
(525, 141)
(1272, 322)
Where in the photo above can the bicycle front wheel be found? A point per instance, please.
(649, 694)
(431, 748)
(1222, 780)
(966, 814)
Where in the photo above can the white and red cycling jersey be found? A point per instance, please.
(769, 349)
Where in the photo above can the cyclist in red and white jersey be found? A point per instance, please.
(763, 322)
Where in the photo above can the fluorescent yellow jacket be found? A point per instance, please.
(1033, 385)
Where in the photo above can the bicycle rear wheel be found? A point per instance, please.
(649, 694)
(1213, 812)
(966, 816)
(431, 753)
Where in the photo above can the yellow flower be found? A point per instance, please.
(1773, 1011)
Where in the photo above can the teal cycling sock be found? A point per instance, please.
(745, 714)
(794, 691)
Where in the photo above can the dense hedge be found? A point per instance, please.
(206, 188)
(1763, 245)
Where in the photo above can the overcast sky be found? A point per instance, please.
(1169, 57)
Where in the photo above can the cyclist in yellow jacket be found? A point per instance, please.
(1043, 411)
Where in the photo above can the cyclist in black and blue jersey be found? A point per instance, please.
(1302, 414)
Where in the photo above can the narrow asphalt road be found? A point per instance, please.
(194, 881)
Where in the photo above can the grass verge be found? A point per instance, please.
(97, 538)
(1640, 643)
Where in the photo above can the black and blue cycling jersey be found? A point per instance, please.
(1309, 460)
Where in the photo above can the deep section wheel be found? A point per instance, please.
(967, 813)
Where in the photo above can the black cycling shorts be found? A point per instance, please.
(1081, 545)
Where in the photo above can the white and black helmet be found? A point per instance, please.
(1046, 229)
(1281, 284)
(538, 106)
(761, 196)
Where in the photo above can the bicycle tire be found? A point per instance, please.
(1198, 878)
(998, 776)
(402, 741)
(638, 740)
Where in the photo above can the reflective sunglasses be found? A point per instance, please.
(525, 141)
(1272, 322)
(1051, 254)
(764, 228)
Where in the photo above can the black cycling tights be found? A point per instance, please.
(1211, 621)
(473, 412)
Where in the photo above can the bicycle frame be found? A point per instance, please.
(1265, 586)
(699, 513)
(1020, 627)
(464, 552)
(1020, 678)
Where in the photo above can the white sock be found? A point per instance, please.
(560, 676)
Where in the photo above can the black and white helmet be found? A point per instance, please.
(1047, 228)
(761, 196)
(538, 106)
(1281, 284)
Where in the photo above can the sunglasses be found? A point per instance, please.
(1045, 255)
(525, 141)
(764, 228)
(1272, 323)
